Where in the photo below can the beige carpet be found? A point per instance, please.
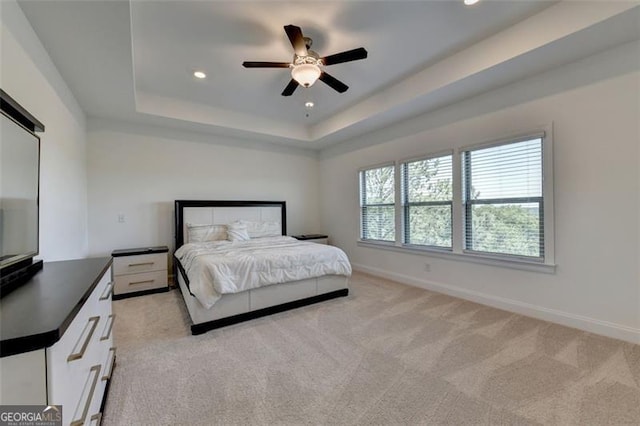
(387, 354)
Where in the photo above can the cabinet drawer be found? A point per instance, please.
(105, 293)
(89, 398)
(84, 327)
(139, 263)
(69, 361)
(140, 282)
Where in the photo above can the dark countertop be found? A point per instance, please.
(303, 237)
(36, 315)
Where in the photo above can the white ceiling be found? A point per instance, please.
(134, 61)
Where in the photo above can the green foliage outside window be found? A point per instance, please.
(378, 198)
(428, 194)
(511, 225)
(507, 228)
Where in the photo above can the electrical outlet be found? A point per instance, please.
(121, 218)
(427, 267)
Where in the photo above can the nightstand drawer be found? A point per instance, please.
(139, 263)
(140, 282)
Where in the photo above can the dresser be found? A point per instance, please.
(56, 343)
(138, 271)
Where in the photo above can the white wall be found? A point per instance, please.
(594, 108)
(139, 171)
(28, 75)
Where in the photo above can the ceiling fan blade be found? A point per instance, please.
(291, 87)
(297, 40)
(332, 82)
(250, 64)
(347, 56)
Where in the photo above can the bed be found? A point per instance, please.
(212, 300)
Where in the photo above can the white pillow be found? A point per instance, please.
(203, 233)
(262, 229)
(237, 231)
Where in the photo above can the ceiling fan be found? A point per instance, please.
(306, 67)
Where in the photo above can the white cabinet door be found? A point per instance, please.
(22, 379)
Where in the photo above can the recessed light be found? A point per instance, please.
(199, 74)
(470, 2)
(309, 104)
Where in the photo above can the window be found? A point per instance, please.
(427, 201)
(377, 203)
(503, 202)
(490, 203)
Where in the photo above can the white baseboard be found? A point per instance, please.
(591, 325)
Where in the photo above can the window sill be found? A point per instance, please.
(503, 262)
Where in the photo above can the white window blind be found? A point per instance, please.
(377, 203)
(427, 201)
(503, 199)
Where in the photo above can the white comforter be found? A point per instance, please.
(220, 267)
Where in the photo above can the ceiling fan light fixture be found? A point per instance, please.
(306, 74)
(307, 66)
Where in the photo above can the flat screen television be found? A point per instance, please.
(19, 194)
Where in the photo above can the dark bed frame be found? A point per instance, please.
(181, 204)
(223, 322)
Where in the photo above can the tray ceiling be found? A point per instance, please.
(134, 61)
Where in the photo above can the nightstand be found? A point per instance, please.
(313, 238)
(139, 271)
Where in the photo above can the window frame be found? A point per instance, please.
(362, 206)
(468, 203)
(405, 204)
(458, 251)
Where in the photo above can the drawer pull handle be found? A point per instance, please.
(79, 355)
(141, 264)
(107, 292)
(111, 319)
(80, 421)
(112, 364)
(141, 282)
(96, 419)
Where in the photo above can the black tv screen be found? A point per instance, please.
(19, 189)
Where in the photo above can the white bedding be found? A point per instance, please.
(220, 267)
